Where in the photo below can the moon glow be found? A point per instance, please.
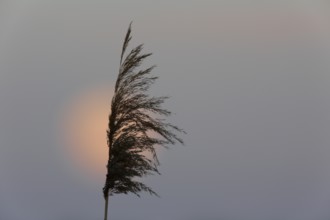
(84, 131)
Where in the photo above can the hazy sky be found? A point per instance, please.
(249, 82)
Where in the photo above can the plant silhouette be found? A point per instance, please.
(133, 127)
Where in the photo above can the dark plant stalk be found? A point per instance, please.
(106, 207)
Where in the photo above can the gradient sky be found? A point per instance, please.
(249, 82)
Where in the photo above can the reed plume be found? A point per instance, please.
(134, 128)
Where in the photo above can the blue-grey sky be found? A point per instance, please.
(249, 82)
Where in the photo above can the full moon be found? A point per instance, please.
(83, 131)
(84, 128)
